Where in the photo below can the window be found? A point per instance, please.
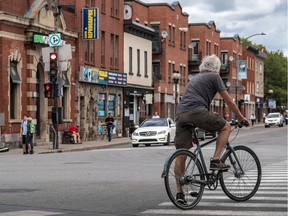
(224, 57)
(130, 61)
(89, 51)
(103, 6)
(138, 62)
(184, 75)
(116, 51)
(87, 2)
(169, 72)
(114, 8)
(145, 64)
(111, 50)
(102, 49)
(156, 71)
(102, 105)
(216, 49)
(156, 42)
(170, 34)
(181, 74)
(93, 3)
(111, 104)
(182, 39)
(173, 36)
(14, 91)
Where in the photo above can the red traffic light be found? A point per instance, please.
(53, 63)
(53, 56)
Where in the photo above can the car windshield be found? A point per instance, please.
(273, 115)
(155, 123)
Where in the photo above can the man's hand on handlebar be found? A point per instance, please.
(244, 122)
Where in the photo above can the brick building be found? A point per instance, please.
(22, 67)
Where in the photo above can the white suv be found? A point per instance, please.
(274, 119)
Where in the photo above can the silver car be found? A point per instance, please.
(154, 131)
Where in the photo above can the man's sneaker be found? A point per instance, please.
(180, 198)
(218, 165)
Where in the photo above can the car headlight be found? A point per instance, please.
(135, 134)
(162, 132)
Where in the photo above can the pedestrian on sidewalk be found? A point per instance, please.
(73, 130)
(253, 119)
(30, 133)
(23, 133)
(109, 125)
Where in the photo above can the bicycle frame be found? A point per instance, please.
(198, 153)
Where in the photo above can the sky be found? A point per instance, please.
(243, 18)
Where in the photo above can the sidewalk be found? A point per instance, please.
(88, 145)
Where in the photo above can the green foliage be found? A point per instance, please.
(275, 73)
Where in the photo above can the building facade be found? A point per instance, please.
(24, 32)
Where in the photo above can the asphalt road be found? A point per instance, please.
(126, 181)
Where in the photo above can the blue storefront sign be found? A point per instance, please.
(90, 23)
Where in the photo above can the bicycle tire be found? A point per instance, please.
(235, 185)
(193, 191)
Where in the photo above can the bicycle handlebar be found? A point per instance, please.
(239, 124)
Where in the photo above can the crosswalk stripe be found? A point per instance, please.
(212, 212)
(233, 204)
(30, 213)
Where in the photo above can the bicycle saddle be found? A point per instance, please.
(188, 125)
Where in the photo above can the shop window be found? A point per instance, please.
(111, 104)
(14, 91)
(102, 105)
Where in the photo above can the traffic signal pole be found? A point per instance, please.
(56, 14)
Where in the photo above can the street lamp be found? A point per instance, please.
(270, 101)
(176, 77)
(237, 61)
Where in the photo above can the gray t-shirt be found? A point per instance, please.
(200, 91)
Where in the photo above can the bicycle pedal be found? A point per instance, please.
(194, 194)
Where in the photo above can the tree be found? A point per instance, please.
(275, 78)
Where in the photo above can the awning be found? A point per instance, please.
(14, 73)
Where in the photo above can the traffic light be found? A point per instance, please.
(53, 67)
(49, 90)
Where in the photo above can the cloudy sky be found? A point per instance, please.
(243, 18)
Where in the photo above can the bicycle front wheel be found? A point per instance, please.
(237, 185)
(182, 171)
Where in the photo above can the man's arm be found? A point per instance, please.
(230, 103)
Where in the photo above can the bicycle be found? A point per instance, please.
(239, 183)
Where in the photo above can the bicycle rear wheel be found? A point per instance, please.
(183, 177)
(241, 186)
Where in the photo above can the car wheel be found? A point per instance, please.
(147, 144)
(135, 145)
(168, 140)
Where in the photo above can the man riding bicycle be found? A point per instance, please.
(194, 108)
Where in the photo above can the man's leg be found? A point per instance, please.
(74, 137)
(222, 140)
(109, 133)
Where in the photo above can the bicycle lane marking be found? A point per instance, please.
(270, 199)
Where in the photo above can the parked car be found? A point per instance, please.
(202, 134)
(274, 119)
(154, 131)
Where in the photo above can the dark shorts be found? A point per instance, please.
(23, 139)
(202, 118)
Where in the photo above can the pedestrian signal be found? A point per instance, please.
(49, 90)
